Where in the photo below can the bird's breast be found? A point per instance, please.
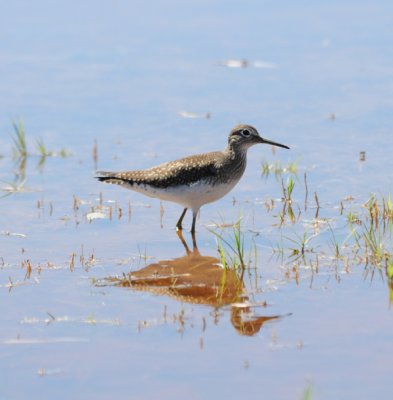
(192, 195)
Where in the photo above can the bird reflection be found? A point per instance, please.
(198, 279)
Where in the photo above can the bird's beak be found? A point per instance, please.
(273, 143)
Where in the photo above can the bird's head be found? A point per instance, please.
(242, 137)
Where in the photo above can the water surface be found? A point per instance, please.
(315, 77)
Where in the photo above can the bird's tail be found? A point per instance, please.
(109, 177)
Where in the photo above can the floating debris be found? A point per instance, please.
(90, 320)
(11, 284)
(193, 115)
(46, 372)
(95, 215)
(235, 63)
(18, 187)
(8, 233)
(243, 63)
(332, 117)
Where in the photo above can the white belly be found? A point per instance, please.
(189, 196)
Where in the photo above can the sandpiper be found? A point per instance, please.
(195, 180)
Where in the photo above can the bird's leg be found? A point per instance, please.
(178, 225)
(194, 215)
(194, 243)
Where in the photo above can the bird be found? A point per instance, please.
(195, 180)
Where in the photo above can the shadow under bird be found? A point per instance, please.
(195, 180)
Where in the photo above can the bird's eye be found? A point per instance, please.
(246, 133)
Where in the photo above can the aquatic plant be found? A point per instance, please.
(235, 244)
(278, 169)
(44, 152)
(19, 139)
(221, 253)
(307, 394)
(290, 186)
(334, 242)
(389, 268)
(301, 244)
(13, 187)
(353, 218)
(287, 189)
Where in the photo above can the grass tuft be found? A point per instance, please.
(278, 169)
(235, 255)
(19, 139)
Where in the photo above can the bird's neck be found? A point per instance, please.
(236, 151)
(233, 163)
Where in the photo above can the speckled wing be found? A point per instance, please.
(185, 171)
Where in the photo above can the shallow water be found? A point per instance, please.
(114, 307)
